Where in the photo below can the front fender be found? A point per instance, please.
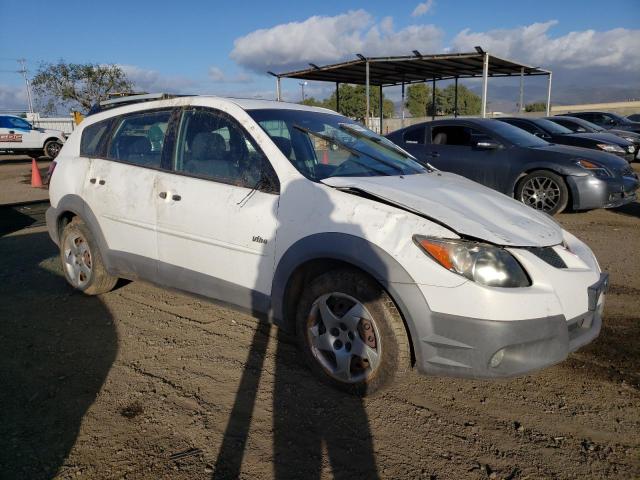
(362, 254)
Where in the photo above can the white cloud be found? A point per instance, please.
(422, 8)
(13, 98)
(323, 39)
(218, 76)
(616, 48)
(153, 81)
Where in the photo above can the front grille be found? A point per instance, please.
(549, 255)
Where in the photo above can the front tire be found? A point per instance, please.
(543, 190)
(82, 261)
(351, 333)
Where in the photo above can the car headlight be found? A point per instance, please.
(594, 168)
(609, 147)
(480, 262)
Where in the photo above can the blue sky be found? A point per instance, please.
(225, 47)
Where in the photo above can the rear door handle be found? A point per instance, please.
(177, 198)
(435, 154)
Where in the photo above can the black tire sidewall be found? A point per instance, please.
(564, 189)
(364, 289)
(46, 149)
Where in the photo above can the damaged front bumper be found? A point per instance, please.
(590, 192)
(477, 348)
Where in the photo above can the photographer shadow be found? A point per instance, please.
(56, 349)
(309, 417)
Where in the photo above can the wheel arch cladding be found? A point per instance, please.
(323, 252)
(73, 205)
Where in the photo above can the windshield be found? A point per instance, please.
(322, 145)
(551, 127)
(516, 136)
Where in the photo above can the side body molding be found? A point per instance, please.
(362, 254)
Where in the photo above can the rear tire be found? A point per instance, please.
(82, 261)
(351, 333)
(543, 190)
(52, 148)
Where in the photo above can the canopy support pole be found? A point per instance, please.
(433, 99)
(485, 81)
(380, 109)
(549, 95)
(338, 97)
(521, 104)
(455, 100)
(366, 93)
(278, 94)
(402, 121)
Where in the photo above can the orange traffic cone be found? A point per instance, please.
(325, 158)
(36, 179)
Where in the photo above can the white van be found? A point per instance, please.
(307, 219)
(20, 137)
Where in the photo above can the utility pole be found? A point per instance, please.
(23, 71)
(302, 84)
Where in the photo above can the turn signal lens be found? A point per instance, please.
(438, 252)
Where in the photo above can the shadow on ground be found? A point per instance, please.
(56, 348)
(631, 209)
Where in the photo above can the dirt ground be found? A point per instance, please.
(15, 179)
(148, 383)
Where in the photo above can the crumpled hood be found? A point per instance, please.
(468, 208)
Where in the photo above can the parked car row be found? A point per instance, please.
(544, 175)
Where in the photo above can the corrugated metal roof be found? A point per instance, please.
(387, 71)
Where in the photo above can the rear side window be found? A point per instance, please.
(457, 135)
(415, 135)
(92, 138)
(139, 138)
(527, 127)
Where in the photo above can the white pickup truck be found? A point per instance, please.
(19, 136)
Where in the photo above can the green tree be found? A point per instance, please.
(417, 98)
(76, 85)
(468, 102)
(353, 102)
(535, 107)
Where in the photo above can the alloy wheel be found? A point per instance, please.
(77, 260)
(541, 193)
(344, 337)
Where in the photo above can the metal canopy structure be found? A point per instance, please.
(418, 68)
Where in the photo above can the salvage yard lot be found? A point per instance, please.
(148, 383)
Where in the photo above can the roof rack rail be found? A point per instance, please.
(121, 99)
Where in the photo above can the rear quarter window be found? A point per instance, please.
(93, 138)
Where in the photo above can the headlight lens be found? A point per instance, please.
(594, 168)
(480, 262)
(609, 147)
